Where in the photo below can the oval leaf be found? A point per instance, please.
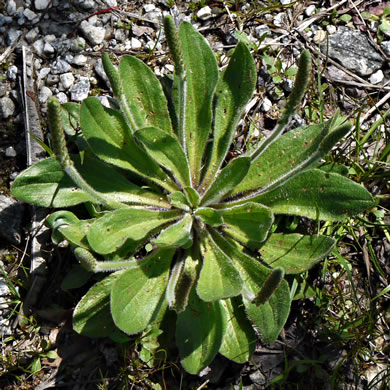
(176, 235)
(295, 253)
(111, 231)
(137, 293)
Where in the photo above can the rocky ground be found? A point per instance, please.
(63, 42)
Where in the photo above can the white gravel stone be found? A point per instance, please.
(310, 10)
(95, 35)
(331, 29)
(67, 80)
(111, 3)
(136, 43)
(60, 66)
(32, 34)
(44, 94)
(11, 7)
(62, 98)
(205, 13)
(285, 2)
(38, 46)
(279, 19)
(267, 104)
(4, 290)
(261, 30)
(77, 44)
(319, 36)
(80, 90)
(87, 4)
(30, 15)
(376, 77)
(48, 49)
(10, 152)
(149, 7)
(13, 35)
(44, 72)
(7, 107)
(41, 4)
(80, 60)
(12, 72)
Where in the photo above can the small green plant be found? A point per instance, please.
(188, 236)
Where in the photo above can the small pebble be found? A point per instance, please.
(80, 60)
(30, 15)
(135, 43)
(60, 66)
(10, 152)
(44, 94)
(267, 104)
(205, 13)
(7, 107)
(80, 90)
(12, 72)
(41, 4)
(310, 10)
(67, 80)
(62, 98)
(95, 35)
(376, 77)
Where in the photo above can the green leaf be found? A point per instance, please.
(218, 277)
(145, 98)
(317, 194)
(179, 200)
(239, 340)
(70, 117)
(118, 227)
(76, 233)
(167, 151)
(138, 293)
(176, 235)
(234, 89)
(46, 184)
(209, 216)
(289, 150)
(269, 318)
(227, 179)
(183, 277)
(193, 196)
(57, 219)
(110, 138)
(201, 78)
(295, 253)
(199, 333)
(92, 316)
(75, 278)
(248, 223)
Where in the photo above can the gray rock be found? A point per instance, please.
(44, 94)
(3, 90)
(4, 289)
(30, 15)
(13, 35)
(11, 7)
(38, 46)
(80, 60)
(87, 4)
(32, 35)
(385, 45)
(261, 30)
(5, 20)
(60, 66)
(10, 152)
(149, 7)
(135, 43)
(95, 35)
(353, 49)
(62, 98)
(52, 79)
(7, 107)
(67, 80)
(12, 72)
(310, 10)
(44, 72)
(77, 44)
(205, 13)
(257, 378)
(376, 77)
(80, 90)
(11, 214)
(100, 71)
(48, 49)
(41, 4)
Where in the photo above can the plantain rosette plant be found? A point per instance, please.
(184, 231)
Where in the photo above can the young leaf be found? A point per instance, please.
(228, 178)
(218, 277)
(248, 223)
(201, 79)
(176, 235)
(110, 139)
(209, 216)
(144, 95)
(199, 333)
(183, 277)
(295, 253)
(239, 340)
(111, 231)
(138, 293)
(167, 151)
(234, 89)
